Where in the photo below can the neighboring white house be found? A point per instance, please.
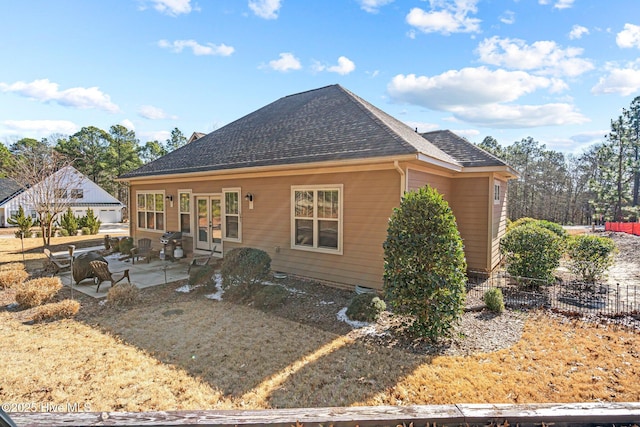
(76, 190)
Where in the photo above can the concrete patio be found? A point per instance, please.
(142, 274)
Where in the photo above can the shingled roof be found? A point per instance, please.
(463, 151)
(8, 189)
(324, 124)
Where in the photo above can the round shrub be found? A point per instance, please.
(245, 267)
(531, 252)
(270, 297)
(85, 231)
(520, 221)
(424, 264)
(123, 294)
(125, 245)
(365, 307)
(59, 310)
(590, 256)
(494, 300)
(37, 291)
(12, 277)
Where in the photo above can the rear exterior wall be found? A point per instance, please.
(368, 201)
(468, 199)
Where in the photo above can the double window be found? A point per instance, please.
(317, 218)
(150, 210)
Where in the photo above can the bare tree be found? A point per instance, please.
(50, 184)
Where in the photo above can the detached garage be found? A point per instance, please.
(77, 192)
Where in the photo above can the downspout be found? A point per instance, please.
(403, 184)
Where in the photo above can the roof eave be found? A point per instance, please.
(273, 168)
(507, 171)
(440, 163)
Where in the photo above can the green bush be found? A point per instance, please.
(125, 245)
(270, 297)
(590, 256)
(424, 264)
(23, 222)
(68, 223)
(366, 307)
(246, 268)
(89, 221)
(85, 231)
(519, 222)
(532, 252)
(494, 300)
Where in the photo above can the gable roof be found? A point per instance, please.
(324, 124)
(466, 153)
(9, 189)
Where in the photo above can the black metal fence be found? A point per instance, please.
(567, 295)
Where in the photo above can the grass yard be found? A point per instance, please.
(183, 351)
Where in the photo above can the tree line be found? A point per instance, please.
(601, 184)
(100, 155)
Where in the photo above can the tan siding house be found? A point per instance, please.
(312, 179)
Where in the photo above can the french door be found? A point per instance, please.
(209, 223)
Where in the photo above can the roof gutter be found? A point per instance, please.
(290, 169)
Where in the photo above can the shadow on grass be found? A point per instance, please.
(254, 358)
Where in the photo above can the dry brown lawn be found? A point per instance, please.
(183, 351)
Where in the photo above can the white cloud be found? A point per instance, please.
(468, 86)
(423, 127)
(40, 128)
(629, 37)
(286, 62)
(76, 97)
(545, 57)
(128, 124)
(446, 17)
(199, 50)
(344, 66)
(154, 113)
(521, 116)
(577, 31)
(373, 6)
(267, 9)
(621, 81)
(161, 135)
(508, 17)
(563, 4)
(559, 4)
(173, 7)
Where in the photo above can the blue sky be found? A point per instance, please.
(555, 70)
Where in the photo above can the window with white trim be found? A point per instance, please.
(496, 194)
(317, 218)
(232, 227)
(150, 210)
(184, 211)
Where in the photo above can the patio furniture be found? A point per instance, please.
(142, 250)
(102, 274)
(56, 264)
(81, 266)
(204, 260)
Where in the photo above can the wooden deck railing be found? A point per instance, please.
(573, 414)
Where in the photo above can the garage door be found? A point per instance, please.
(108, 215)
